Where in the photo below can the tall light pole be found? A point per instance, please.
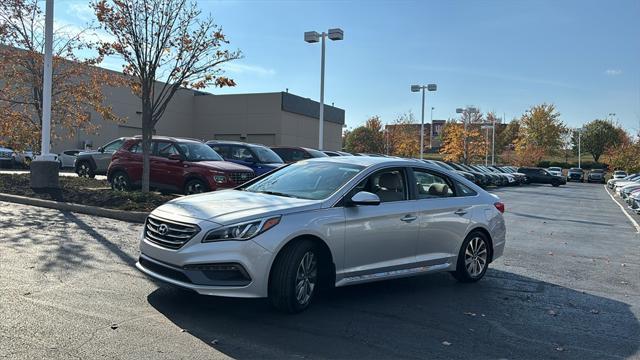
(314, 37)
(579, 131)
(431, 131)
(417, 88)
(44, 169)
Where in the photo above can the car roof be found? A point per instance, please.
(232, 142)
(168, 138)
(371, 160)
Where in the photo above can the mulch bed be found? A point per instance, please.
(85, 191)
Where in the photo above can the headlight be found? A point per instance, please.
(219, 178)
(242, 231)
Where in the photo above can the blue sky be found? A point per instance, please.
(503, 56)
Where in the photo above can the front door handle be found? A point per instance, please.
(408, 218)
(460, 212)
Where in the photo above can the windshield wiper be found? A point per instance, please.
(277, 194)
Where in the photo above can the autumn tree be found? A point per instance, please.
(464, 141)
(507, 138)
(77, 84)
(597, 136)
(404, 136)
(166, 45)
(540, 134)
(366, 139)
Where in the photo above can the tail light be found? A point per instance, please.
(499, 206)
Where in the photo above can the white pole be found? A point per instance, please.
(46, 85)
(493, 143)
(422, 126)
(579, 151)
(321, 120)
(431, 131)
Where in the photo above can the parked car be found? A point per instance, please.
(542, 176)
(324, 222)
(519, 178)
(7, 157)
(92, 163)
(67, 158)
(612, 182)
(554, 170)
(177, 165)
(619, 174)
(259, 158)
(596, 175)
(337, 153)
(469, 176)
(291, 154)
(24, 158)
(575, 174)
(484, 178)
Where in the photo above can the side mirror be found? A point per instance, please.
(177, 157)
(101, 149)
(364, 198)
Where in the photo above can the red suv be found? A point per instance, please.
(177, 165)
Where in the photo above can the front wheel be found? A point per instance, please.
(84, 170)
(294, 278)
(195, 186)
(120, 181)
(555, 183)
(473, 259)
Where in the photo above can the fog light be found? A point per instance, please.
(220, 179)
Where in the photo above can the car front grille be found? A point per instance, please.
(240, 177)
(169, 234)
(164, 270)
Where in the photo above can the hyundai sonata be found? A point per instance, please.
(324, 222)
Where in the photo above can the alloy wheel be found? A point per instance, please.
(475, 256)
(195, 188)
(83, 170)
(306, 278)
(120, 182)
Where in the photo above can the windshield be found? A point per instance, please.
(316, 153)
(555, 169)
(266, 155)
(194, 151)
(575, 170)
(444, 165)
(306, 180)
(597, 171)
(620, 173)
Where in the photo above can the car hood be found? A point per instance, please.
(625, 183)
(231, 206)
(630, 187)
(222, 165)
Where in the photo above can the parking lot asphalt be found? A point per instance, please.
(568, 287)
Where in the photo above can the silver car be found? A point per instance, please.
(324, 222)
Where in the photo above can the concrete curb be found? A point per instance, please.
(130, 216)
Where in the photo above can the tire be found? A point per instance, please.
(120, 181)
(195, 186)
(295, 268)
(475, 269)
(83, 169)
(555, 183)
(27, 163)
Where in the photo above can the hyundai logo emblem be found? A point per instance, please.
(163, 229)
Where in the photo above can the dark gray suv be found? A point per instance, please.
(96, 162)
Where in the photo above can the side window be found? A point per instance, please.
(113, 146)
(297, 155)
(223, 150)
(430, 185)
(136, 148)
(542, 172)
(71, 152)
(463, 190)
(388, 184)
(164, 149)
(241, 153)
(283, 153)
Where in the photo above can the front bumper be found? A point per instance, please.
(193, 266)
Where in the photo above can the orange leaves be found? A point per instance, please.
(462, 145)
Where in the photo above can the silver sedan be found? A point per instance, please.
(324, 222)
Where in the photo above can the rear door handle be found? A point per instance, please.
(408, 218)
(460, 212)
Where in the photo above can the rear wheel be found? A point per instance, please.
(294, 278)
(473, 259)
(120, 181)
(84, 170)
(195, 186)
(555, 183)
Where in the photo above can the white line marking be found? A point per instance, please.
(633, 221)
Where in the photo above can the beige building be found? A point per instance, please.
(278, 118)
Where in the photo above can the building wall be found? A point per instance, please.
(256, 118)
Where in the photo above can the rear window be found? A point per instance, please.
(555, 169)
(575, 170)
(596, 171)
(619, 173)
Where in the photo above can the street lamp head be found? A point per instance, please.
(416, 88)
(472, 110)
(311, 37)
(459, 110)
(432, 87)
(336, 34)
